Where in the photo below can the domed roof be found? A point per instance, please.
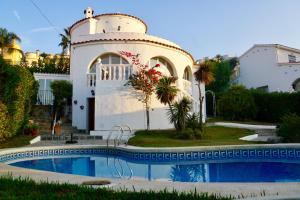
(110, 14)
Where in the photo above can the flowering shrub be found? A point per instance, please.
(144, 80)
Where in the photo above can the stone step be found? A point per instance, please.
(266, 132)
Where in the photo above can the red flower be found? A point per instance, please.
(157, 65)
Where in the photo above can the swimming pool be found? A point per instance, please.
(259, 163)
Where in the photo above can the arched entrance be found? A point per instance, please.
(210, 103)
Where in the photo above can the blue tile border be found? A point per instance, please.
(288, 153)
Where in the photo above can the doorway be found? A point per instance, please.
(91, 114)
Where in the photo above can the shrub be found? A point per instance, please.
(236, 104)
(290, 128)
(18, 89)
(272, 106)
(62, 91)
(4, 122)
(189, 134)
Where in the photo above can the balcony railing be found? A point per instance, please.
(118, 72)
(91, 79)
(45, 97)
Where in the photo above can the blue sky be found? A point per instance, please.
(202, 27)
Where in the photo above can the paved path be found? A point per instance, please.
(246, 126)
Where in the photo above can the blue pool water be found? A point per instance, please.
(114, 167)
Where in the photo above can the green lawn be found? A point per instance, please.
(28, 189)
(214, 135)
(16, 141)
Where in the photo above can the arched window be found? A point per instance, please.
(165, 68)
(187, 74)
(112, 67)
(296, 85)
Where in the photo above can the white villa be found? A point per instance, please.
(270, 67)
(99, 72)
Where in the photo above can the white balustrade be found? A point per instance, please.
(118, 72)
(91, 79)
(115, 72)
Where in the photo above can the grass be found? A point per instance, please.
(27, 189)
(214, 135)
(16, 141)
(251, 122)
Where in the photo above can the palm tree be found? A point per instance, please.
(203, 75)
(181, 111)
(7, 39)
(65, 40)
(166, 92)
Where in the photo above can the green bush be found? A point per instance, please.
(290, 128)
(272, 106)
(236, 104)
(17, 91)
(189, 134)
(4, 122)
(62, 92)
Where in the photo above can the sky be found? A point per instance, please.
(205, 28)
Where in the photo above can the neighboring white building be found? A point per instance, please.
(270, 67)
(99, 72)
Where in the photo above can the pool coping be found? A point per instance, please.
(245, 190)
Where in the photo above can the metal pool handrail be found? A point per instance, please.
(121, 135)
(108, 137)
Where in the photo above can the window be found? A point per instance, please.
(113, 67)
(186, 74)
(165, 68)
(292, 58)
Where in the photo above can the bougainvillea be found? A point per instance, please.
(144, 80)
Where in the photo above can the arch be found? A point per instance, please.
(187, 73)
(107, 58)
(166, 67)
(113, 67)
(296, 85)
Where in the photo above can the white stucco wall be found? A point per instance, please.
(261, 66)
(115, 104)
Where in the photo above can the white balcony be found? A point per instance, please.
(119, 72)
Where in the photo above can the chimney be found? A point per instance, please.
(88, 12)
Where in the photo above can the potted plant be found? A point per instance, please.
(32, 129)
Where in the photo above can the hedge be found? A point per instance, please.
(267, 107)
(17, 93)
(236, 104)
(271, 107)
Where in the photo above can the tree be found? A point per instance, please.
(166, 92)
(180, 114)
(6, 40)
(62, 92)
(222, 72)
(65, 41)
(144, 81)
(203, 75)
